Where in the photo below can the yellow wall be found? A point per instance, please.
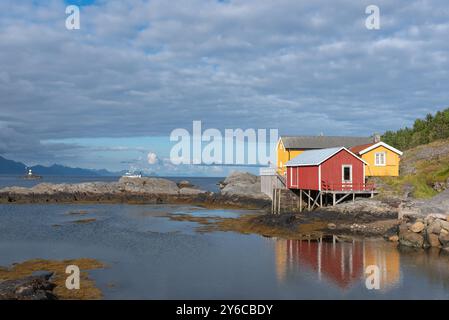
(284, 155)
(392, 163)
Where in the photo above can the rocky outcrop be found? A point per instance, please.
(238, 194)
(242, 184)
(30, 288)
(366, 210)
(430, 231)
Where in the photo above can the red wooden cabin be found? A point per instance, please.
(332, 169)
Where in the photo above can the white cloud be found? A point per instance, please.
(152, 158)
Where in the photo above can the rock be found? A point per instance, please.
(444, 239)
(434, 227)
(411, 239)
(433, 240)
(417, 227)
(184, 184)
(394, 238)
(440, 216)
(29, 288)
(331, 226)
(243, 184)
(444, 224)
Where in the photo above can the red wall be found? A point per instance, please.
(308, 178)
(331, 171)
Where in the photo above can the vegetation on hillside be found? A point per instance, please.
(424, 131)
(421, 169)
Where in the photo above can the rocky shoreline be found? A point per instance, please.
(238, 191)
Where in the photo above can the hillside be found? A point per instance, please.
(11, 167)
(424, 170)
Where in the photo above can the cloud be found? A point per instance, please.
(141, 68)
(152, 158)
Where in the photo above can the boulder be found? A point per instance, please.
(244, 185)
(444, 239)
(434, 227)
(184, 184)
(417, 227)
(331, 226)
(411, 239)
(444, 224)
(394, 238)
(433, 240)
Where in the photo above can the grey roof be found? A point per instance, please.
(321, 142)
(312, 157)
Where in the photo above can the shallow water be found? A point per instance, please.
(149, 256)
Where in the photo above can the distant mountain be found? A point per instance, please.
(11, 167)
(18, 168)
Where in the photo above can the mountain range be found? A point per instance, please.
(19, 168)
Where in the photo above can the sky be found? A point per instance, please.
(109, 94)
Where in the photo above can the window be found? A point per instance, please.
(347, 173)
(380, 159)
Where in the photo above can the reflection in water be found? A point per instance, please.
(341, 263)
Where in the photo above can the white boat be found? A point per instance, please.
(132, 175)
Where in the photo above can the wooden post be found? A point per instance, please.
(308, 201)
(279, 196)
(321, 199)
(300, 200)
(333, 199)
(353, 197)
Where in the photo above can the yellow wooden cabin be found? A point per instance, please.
(383, 160)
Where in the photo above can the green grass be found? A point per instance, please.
(427, 173)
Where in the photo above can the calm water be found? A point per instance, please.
(150, 256)
(208, 184)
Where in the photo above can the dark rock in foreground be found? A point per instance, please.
(29, 288)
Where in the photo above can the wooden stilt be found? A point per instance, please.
(300, 200)
(333, 199)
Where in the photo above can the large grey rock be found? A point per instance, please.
(243, 184)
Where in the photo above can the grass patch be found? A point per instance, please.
(88, 290)
(250, 224)
(427, 173)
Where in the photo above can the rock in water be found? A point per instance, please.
(393, 238)
(444, 239)
(417, 227)
(29, 288)
(411, 239)
(184, 184)
(433, 240)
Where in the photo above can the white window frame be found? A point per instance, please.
(343, 173)
(379, 164)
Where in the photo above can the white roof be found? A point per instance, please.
(383, 144)
(316, 157)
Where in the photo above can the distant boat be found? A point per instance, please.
(31, 176)
(132, 175)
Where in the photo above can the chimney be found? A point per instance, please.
(376, 137)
